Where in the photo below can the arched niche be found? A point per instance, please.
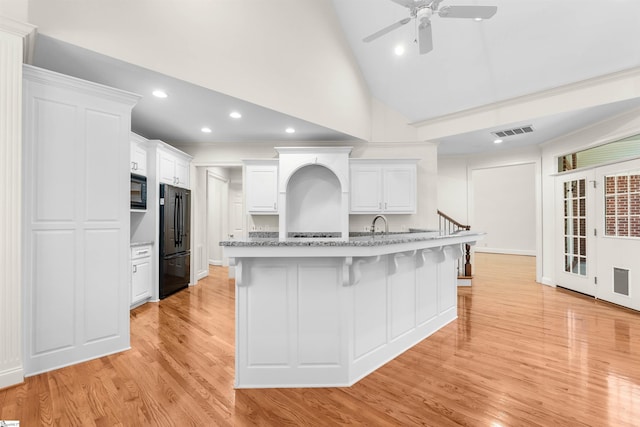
(312, 180)
(314, 201)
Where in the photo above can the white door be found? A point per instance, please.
(618, 241)
(575, 253)
(236, 212)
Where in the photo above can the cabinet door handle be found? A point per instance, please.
(379, 205)
(142, 252)
(274, 206)
(135, 268)
(385, 205)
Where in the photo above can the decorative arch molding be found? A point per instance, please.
(293, 159)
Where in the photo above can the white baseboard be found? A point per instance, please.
(504, 251)
(11, 377)
(464, 282)
(547, 281)
(217, 262)
(202, 274)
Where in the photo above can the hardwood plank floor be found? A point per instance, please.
(519, 354)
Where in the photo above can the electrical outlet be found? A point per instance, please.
(365, 228)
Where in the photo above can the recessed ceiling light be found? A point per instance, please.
(290, 130)
(399, 50)
(159, 93)
(235, 115)
(206, 130)
(497, 141)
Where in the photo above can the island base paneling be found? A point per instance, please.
(322, 322)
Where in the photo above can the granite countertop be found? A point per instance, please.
(270, 239)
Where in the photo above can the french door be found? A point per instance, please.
(618, 241)
(575, 250)
(598, 244)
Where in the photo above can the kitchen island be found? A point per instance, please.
(325, 312)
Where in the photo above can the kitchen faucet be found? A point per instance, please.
(373, 225)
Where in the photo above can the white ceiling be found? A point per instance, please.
(527, 47)
(188, 107)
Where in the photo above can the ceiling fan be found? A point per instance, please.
(423, 10)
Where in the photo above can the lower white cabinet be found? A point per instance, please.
(140, 274)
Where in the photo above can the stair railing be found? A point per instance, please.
(448, 225)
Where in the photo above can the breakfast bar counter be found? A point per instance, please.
(325, 312)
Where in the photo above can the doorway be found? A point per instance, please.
(224, 210)
(599, 228)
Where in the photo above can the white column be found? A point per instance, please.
(14, 37)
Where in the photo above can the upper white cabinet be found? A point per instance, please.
(76, 219)
(173, 166)
(383, 186)
(138, 158)
(261, 186)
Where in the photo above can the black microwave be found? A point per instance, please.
(138, 191)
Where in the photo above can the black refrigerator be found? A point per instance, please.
(175, 237)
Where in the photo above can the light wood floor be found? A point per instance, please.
(519, 354)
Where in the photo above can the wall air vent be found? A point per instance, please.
(513, 131)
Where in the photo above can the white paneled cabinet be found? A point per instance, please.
(76, 219)
(173, 167)
(383, 186)
(141, 274)
(261, 186)
(138, 158)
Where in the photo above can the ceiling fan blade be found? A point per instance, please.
(425, 37)
(386, 30)
(471, 12)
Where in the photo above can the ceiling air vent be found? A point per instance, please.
(514, 131)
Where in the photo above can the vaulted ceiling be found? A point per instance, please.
(527, 47)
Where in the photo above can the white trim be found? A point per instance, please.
(504, 251)
(11, 243)
(547, 281)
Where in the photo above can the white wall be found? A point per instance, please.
(504, 206)
(287, 55)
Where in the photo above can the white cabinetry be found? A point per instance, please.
(383, 186)
(76, 219)
(173, 167)
(140, 274)
(261, 178)
(138, 159)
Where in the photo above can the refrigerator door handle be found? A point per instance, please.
(175, 220)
